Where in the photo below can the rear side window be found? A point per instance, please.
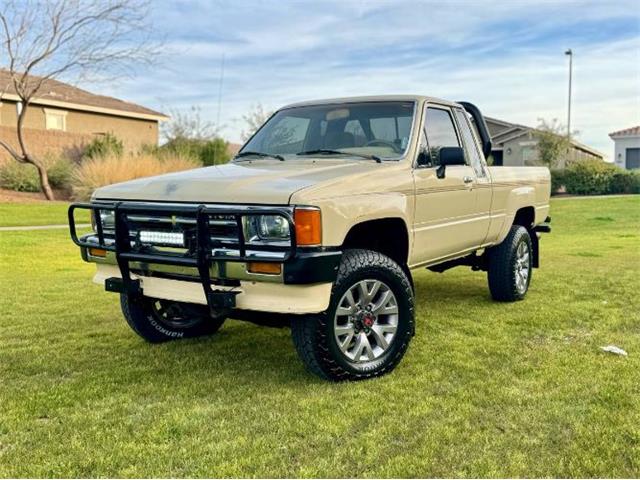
(471, 146)
(440, 131)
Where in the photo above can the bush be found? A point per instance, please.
(101, 171)
(557, 180)
(625, 181)
(20, 177)
(102, 146)
(594, 177)
(207, 152)
(23, 177)
(60, 171)
(588, 177)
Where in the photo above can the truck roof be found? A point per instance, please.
(372, 98)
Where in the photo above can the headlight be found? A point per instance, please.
(266, 228)
(107, 218)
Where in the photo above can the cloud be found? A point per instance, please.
(505, 56)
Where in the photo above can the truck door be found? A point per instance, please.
(446, 215)
(483, 187)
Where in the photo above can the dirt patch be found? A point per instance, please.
(10, 196)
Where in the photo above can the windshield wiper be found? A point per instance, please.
(259, 154)
(326, 151)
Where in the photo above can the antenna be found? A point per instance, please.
(220, 91)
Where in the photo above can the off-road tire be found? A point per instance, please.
(501, 273)
(313, 335)
(142, 316)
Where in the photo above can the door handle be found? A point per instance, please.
(467, 179)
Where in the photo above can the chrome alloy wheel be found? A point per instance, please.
(366, 321)
(522, 267)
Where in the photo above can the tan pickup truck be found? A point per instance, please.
(317, 224)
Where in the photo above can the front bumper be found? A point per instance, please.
(249, 295)
(218, 266)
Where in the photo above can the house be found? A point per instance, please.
(515, 145)
(63, 118)
(626, 152)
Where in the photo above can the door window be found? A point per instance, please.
(440, 131)
(471, 146)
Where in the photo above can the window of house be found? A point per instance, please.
(55, 119)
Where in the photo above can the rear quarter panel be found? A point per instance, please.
(515, 188)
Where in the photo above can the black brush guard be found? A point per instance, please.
(202, 255)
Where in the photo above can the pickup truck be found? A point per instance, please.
(317, 223)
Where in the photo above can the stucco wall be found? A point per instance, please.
(620, 147)
(133, 132)
(42, 143)
(523, 152)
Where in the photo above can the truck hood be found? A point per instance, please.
(265, 181)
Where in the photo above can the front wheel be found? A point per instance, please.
(368, 325)
(510, 266)
(162, 320)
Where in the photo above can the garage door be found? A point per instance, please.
(633, 158)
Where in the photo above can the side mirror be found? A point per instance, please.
(449, 156)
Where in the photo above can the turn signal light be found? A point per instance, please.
(264, 267)
(308, 226)
(97, 252)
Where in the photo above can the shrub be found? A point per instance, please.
(594, 177)
(104, 145)
(624, 181)
(207, 152)
(23, 177)
(60, 171)
(19, 177)
(557, 180)
(101, 171)
(589, 177)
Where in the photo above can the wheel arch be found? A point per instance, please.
(387, 235)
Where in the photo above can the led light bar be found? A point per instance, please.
(162, 238)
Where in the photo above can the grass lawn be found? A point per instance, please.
(38, 213)
(486, 389)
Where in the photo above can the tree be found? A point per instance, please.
(254, 119)
(189, 125)
(189, 134)
(42, 40)
(553, 145)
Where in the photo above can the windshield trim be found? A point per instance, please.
(384, 159)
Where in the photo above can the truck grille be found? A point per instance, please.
(223, 229)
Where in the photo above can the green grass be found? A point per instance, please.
(485, 390)
(37, 213)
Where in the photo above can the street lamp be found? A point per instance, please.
(570, 53)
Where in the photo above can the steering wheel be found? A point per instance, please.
(383, 143)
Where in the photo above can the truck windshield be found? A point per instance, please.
(378, 130)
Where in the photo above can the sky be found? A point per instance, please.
(506, 57)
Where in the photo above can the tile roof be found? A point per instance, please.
(56, 91)
(627, 132)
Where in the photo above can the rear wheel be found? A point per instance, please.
(368, 325)
(510, 266)
(162, 320)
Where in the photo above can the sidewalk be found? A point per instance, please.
(41, 227)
